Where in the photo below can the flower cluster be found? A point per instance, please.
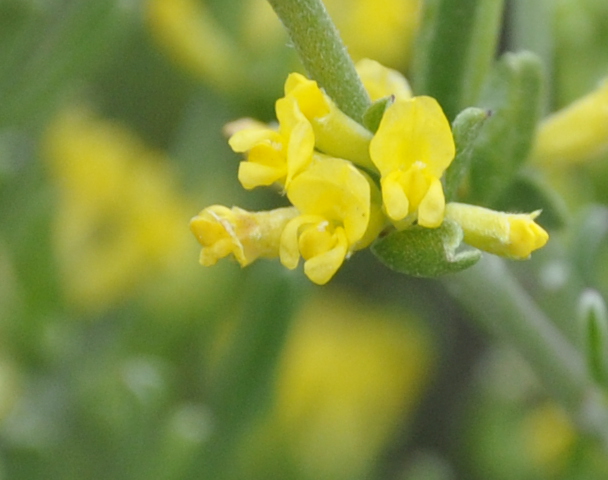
(347, 184)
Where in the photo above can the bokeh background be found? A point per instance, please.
(121, 357)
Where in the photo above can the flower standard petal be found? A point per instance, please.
(412, 148)
(335, 190)
(380, 81)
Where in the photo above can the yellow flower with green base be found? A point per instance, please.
(412, 148)
(338, 216)
(511, 235)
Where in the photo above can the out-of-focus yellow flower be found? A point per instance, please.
(338, 216)
(187, 30)
(380, 29)
(246, 235)
(380, 81)
(575, 133)
(119, 216)
(349, 374)
(512, 235)
(275, 155)
(412, 148)
(549, 437)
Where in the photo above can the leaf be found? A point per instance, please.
(373, 115)
(594, 321)
(455, 49)
(425, 252)
(465, 128)
(512, 94)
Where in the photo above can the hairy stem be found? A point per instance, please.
(323, 54)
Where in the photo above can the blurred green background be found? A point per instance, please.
(122, 358)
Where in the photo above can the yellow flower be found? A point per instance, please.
(412, 148)
(576, 133)
(275, 155)
(246, 235)
(549, 437)
(512, 235)
(381, 29)
(119, 213)
(380, 81)
(339, 214)
(348, 371)
(188, 31)
(336, 134)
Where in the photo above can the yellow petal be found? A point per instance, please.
(298, 134)
(432, 206)
(334, 189)
(289, 243)
(245, 139)
(312, 101)
(336, 134)
(252, 175)
(380, 81)
(321, 268)
(414, 130)
(394, 198)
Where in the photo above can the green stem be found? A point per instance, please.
(323, 54)
(500, 305)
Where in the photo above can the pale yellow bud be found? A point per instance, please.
(512, 235)
(575, 133)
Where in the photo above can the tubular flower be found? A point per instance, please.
(338, 216)
(412, 148)
(336, 134)
(512, 235)
(275, 155)
(246, 235)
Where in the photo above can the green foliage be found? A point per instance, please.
(512, 96)
(466, 127)
(455, 50)
(425, 252)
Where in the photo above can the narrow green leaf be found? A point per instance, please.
(373, 115)
(426, 252)
(465, 128)
(456, 46)
(512, 95)
(594, 320)
(589, 244)
(531, 27)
